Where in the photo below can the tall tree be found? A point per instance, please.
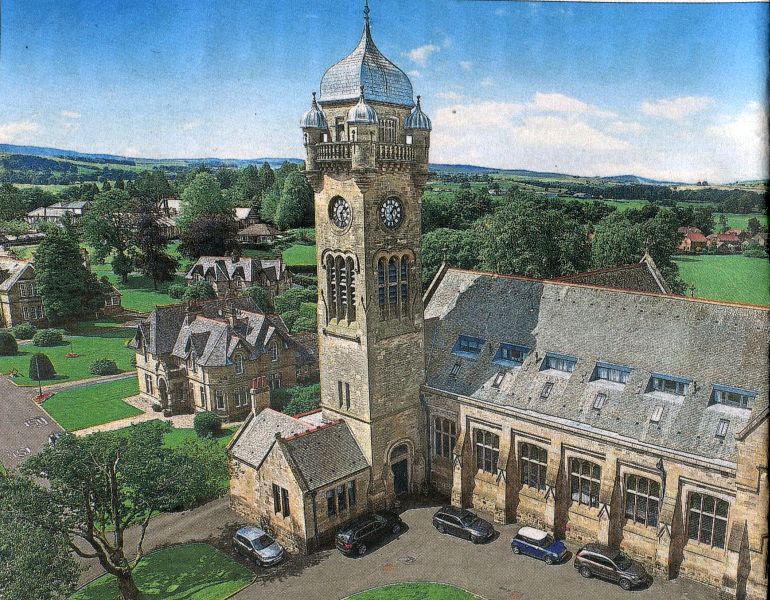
(12, 204)
(107, 228)
(153, 260)
(210, 235)
(295, 207)
(203, 197)
(266, 176)
(99, 485)
(519, 238)
(269, 206)
(68, 289)
(457, 247)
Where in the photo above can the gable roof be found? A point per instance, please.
(649, 333)
(643, 276)
(226, 268)
(15, 269)
(256, 438)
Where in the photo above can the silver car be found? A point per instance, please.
(258, 545)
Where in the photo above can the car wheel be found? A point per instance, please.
(396, 528)
(475, 540)
(516, 550)
(585, 572)
(441, 529)
(549, 560)
(362, 550)
(625, 584)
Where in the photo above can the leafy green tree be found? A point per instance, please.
(283, 173)
(107, 228)
(248, 186)
(210, 235)
(99, 485)
(261, 297)
(199, 290)
(295, 208)
(106, 187)
(303, 398)
(36, 197)
(293, 298)
(617, 241)
(266, 176)
(8, 344)
(37, 561)
(120, 184)
(753, 226)
(12, 204)
(153, 260)
(457, 247)
(723, 223)
(306, 319)
(151, 185)
(519, 238)
(203, 197)
(269, 205)
(17, 227)
(207, 424)
(68, 289)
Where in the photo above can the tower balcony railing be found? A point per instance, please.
(346, 151)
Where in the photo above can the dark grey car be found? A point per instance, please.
(598, 560)
(258, 545)
(463, 523)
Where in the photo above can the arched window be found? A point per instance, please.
(393, 274)
(331, 294)
(351, 290)
(404, 282)
(381, 282)
(393, 283)
(342, 287)
(388, 130)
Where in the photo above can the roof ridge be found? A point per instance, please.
(320, 427)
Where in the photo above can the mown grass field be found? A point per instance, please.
(731, 278)
(88, 349)
(92, 405)
(416, 591)
(185, 572)
(299, 256)
(177, 437)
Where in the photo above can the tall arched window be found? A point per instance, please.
(331, 285)
(388, 130)
(351, 290)
(341, 287)
(393, 274)
(404, 283)
(392, 284)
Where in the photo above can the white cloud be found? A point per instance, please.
(414, 73)
(676, 109)
(450, 95)
(70, 114)
(486, 82)
(17, 131)
(622, 127)
(466, 64)
(189, 125)
(421, 55)
(742, 141)
(555, 102)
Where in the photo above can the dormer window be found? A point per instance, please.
(722, 427)
(510, 355)
(609, 372)
(274, 352)
(559, 362)
(669, 384)
(599, 401)
(732, 396)
(468, 346)
(238, 359)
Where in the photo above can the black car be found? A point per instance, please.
(463, 523)
(360, 534)
(598, 560)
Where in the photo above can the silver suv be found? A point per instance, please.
(258, 545)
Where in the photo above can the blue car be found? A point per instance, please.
(539, 544)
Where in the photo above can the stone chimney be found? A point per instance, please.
(260, 394)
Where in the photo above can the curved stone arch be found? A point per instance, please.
(392, 253)
(398, 451)
(338, 252)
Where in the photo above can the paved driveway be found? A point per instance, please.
(419, 554)
(24, 426)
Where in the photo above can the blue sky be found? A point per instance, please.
(668, 91)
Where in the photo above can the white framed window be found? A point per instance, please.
(642, 500)
(219, 397)
(669, 384)
(585, 479)
(274, 352)
(707, 519)
(722, 427)
(444, 436)
(657, 413)
(238, 359)
(409, 140)
(733, 396)
(148, 383)
(533, 464)
(487, 450)
(25, 312)
(559, 362)
(613, 373)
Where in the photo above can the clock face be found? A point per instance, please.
(339, 212)
(391, 213)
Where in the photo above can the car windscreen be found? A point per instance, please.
(622, 561)
(262, 542)
(546, 541)
(468, 520)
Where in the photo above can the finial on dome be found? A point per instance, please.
(418, 99)
(362, 92)
(366, 11)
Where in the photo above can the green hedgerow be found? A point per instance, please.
(47, 337)
(207, 424)
(104, 366)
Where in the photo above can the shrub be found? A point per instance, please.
(758, 252)
(206, 424)
(290, 317)
(292, 299)
(261, 297)
(104, 366)
(307, 319)
(303, 399)
(8, 345)
(47, 337)
(177, 290)
(156, 407)
(24, 331)
(200, 290)
(40, 367)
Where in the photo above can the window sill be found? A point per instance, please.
(508, 364)
(468, 355)
(556, 373)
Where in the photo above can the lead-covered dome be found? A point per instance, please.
(417, 119)
(362, 113)
(314, 118)
(366, 66)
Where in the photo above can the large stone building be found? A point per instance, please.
(231, 275)
(20, 301)
(601, 414)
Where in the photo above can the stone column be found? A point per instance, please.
(667, 530)
(607, 487)
(503, 499)
(462, 471)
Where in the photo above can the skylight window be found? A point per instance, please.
(455, 369)
(559, 362)
(669, 384)
(546, 390)
(657, 413)
(498, 379)
(599, 401)
(609, 372)
(510, 355)
(468, 346)
(722, 427)
(732, 396)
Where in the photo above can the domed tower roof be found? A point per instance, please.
(362, 113)
(418, 119)
(366, 66)
(314, 118)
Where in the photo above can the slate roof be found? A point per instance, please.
(324, 455)
(257, 436)
(643, 276)
(15, 268)
(706, 342)
(366, 66)
(247, 268)
(258, 229)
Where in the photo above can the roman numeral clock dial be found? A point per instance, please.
(391, 213)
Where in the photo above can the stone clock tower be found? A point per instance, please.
(367, 148)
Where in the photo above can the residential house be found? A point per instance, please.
(724, 242)
(57, 212)
(742, 234)
(204, 356)
(230, 275)
(19, 298)
(113, 301)
(693, 241)
(761, 239)
(257, 233)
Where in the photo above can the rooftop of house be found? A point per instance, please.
(11, 270)
(642, 276)
(229, 267)
(643, 333)
(724, 237)
(695, 236)
(258, 229)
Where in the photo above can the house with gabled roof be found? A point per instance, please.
(230, 275)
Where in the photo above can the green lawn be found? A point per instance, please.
(138, 292)
(299, 256)
(416, 591)
(192, 571)
(91, 405)
(176, 437)
(732, 278)
(740, 221)
(88, 349)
